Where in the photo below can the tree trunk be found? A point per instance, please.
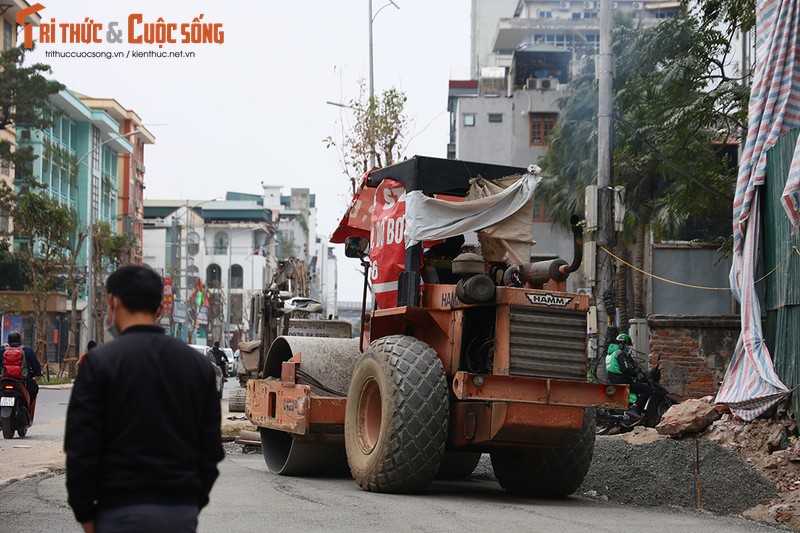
(40, 321)
(638, 277)
(98, 293)
(621, 286)
(76, 282)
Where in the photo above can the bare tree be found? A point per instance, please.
(379, 125)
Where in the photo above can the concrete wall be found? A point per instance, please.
(694, 265)
(695, 351)
(506, 142)
(488, 142)
(523, 103)
(154, 248)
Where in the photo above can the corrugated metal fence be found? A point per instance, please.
(783, 286)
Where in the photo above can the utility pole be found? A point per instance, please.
(605, 236)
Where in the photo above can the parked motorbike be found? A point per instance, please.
(621, 421)
(15, 408)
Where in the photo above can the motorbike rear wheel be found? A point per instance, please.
(662, 407)
(22, 431)
(605, 423)
(8, 428)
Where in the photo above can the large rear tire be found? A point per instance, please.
(396, 418)
(551, 472)
(8, 428)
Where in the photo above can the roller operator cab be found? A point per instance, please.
(468, 351)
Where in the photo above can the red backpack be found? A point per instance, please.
(15, 366)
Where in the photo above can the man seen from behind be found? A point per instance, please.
(143, 423)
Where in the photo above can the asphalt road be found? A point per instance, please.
(248, 498)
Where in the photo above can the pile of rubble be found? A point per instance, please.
(773, 448)
(751, 468)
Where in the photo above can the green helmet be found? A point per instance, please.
(624, 337)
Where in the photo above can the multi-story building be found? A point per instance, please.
(324, 285)
(8, 39)
(232, 247)
(222, 244)
(484, 17)
(296, 215)
(76, 163)
(130, 174)
(77, 159)
(505, 113)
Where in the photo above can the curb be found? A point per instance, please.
(62, 386)
(44, 473)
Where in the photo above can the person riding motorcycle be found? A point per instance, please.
(34, 368)
(622, 369)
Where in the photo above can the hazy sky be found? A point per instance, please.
(253, 108)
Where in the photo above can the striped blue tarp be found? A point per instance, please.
(751, 386)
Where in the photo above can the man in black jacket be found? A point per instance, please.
(220, 358)
(143, 422)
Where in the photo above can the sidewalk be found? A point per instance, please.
(41, 451)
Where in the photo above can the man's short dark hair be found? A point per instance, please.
(14, 337)
(139, 288)
(216, 344)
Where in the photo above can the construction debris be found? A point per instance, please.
(772, 447)
(688, 417)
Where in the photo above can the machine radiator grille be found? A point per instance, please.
(547, 344)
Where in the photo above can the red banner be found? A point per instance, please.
(356, 221)
(166, 301)
(387, 244)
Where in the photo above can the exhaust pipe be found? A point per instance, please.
(538, 273)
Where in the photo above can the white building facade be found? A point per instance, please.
(219, 247)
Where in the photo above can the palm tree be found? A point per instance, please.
(672, 102)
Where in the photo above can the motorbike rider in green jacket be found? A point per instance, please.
(622, 369)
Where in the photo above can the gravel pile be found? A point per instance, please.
(662, 473)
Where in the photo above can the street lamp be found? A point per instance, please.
(372, 67)
(89, 273)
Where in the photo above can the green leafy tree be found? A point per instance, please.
(675, 106)
(24, 93)
(379, 125)
(43, 228)
(14, 273)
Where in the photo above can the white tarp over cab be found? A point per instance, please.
(500, 211)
